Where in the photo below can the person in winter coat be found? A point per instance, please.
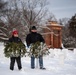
(34, 37)
(15, 39)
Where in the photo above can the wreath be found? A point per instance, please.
(14, 49)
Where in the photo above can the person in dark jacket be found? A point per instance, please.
(34, 37)
(15, 39)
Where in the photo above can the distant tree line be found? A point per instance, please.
(69, 32)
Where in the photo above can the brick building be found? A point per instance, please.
(53, 34)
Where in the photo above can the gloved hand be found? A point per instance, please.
(27, 46)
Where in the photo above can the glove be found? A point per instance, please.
(27, 46)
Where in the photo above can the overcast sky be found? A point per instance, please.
(62, 8)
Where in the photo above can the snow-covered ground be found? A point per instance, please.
(57, 63)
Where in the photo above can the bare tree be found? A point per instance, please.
(2, 7)
(13, 19)
(27, 13)
(33, 11)
(64, 21)
(3, 27)
(3, 32)
(22, 14)
(51, 17)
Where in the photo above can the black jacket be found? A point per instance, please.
(14, 39)
(34, 37)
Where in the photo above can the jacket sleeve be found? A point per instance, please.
(28, 40)
(10, 40)
(42, 39)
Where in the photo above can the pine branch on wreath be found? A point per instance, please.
(14, 49)
(38, 49)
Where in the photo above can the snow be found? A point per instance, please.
(58, 62)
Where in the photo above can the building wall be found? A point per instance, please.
(53, 36)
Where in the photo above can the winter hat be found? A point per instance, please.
(33, 28)
(14, 32)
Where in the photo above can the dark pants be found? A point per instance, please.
(33, 62)
(18, 60)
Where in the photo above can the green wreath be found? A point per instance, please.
(14, 49)
(37, 49)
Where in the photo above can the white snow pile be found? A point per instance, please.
(58, 62)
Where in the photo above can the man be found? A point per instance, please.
(32, 38)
